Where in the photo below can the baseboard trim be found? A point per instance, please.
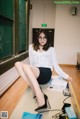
(68, 65)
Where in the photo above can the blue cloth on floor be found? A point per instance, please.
(27, 115)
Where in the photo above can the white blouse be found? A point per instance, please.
(45, 59)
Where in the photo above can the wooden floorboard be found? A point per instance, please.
(12, 96)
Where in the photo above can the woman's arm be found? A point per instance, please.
(57, 68)
(30, 54)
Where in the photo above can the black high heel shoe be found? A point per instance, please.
(43, 107)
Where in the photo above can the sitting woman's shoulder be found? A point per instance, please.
(31, 46)
(51, 48)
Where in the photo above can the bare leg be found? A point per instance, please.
(29, 74)
(32, 78)
(19, 67)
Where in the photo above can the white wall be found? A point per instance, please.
(43, 11)
(67, 34)
(67, 28)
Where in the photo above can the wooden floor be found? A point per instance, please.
(12, 96)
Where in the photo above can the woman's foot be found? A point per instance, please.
(45, 106)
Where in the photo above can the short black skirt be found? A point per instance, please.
(45, 75)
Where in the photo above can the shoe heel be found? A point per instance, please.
(48, 104)
(47, 101)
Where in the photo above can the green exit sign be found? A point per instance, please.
(44, 25)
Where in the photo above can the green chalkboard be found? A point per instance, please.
(6, 28)
(6, 38)
(6, 8)
(22, 25)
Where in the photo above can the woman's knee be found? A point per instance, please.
(17, 64)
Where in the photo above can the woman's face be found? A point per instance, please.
(42, 39)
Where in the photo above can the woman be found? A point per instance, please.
(42, 61)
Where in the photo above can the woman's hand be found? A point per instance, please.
(69, 78)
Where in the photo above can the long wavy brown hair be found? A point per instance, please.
(36, 42)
